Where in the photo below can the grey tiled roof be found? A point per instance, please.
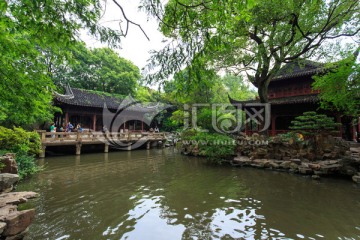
(86, 98)
(299, 68)
(311, 98)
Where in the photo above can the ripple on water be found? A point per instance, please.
(161, 195)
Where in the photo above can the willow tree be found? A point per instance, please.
(253, 36)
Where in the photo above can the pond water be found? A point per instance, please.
(160, 194)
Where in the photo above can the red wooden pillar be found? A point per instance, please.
(94, 122)
(142, 125)
(273, 126)
(66, 118)
(124, 124)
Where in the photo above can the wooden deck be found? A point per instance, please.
(78, 139)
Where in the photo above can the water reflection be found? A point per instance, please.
(159, 194)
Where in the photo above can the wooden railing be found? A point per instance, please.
(91, 136)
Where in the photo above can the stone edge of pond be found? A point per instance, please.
(316, 168)
(13, 223)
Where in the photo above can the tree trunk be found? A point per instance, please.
(263, 91)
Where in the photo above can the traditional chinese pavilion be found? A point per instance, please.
(87, 108)
(290, 94)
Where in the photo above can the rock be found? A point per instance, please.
(334, 161)
(7, 180)
(18, 222)
(266, 163)
(242, 160)
(6, 210)
(15, 197)
(318, 172)
(2, 227)
(330, 166)
(294, 166)
(327, 150)
(348, 170)
(356, 178)
(305, 170)
(314, 166)
(10, 164)
(19, 236)
(259, 163)
(305, 164)
(315, 177)
(274, 165)
(296, 160)
(285, 164)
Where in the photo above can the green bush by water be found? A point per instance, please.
(25, 145)
(214, 146)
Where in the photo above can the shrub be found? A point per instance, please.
(311, 123)
(286, 137)
(169, 125)
(25, 145)
(214, 146)
(26, 165)
(18, 139)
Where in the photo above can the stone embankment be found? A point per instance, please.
(13, 223)
(319, 156)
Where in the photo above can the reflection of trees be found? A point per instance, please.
(295, 204)
(93, 197)
(92, 192)
(196, 192)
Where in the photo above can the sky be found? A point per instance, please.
(135, 46)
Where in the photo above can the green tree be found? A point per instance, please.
(311, 123)
(237, 88)
(253, 36)
(204, 87)
(99, 69)
(28, 31)
(340, 87)
(113, 74)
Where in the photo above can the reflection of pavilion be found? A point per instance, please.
(290, 94)
(86, 107)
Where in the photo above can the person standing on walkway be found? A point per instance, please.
(69, 127)
(52, 129)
